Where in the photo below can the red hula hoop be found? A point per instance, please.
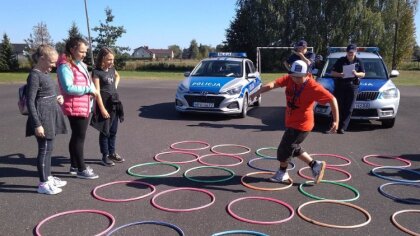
(300, 172)
(104, 213)
(407, 162)
(213, 199)
(206, 145)
(348, 161)
(290, 208)
(215, 154)
(176, 152)
(213, 149)
(123, 200)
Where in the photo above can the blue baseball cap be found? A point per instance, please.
(351, 48)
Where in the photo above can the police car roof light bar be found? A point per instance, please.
(228, 54)
(359, 49)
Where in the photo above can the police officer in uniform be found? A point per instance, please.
(346, 86)
(301, 52)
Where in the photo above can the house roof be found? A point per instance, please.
(18, 48)
(155, 51)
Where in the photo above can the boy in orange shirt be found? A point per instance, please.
(301, 94)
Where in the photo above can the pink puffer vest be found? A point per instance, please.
(75, 105)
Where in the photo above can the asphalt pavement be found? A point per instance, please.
(151, 125)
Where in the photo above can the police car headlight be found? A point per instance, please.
(235, 90)
(390, 93)
(182, 88)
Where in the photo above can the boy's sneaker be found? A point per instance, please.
(87, 174)
(106, 161)
(48, 188)
(280, 176)
(73, 170)
(318, 171)
(57, 182)
(116, 158)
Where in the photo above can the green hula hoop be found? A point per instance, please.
(258, 152)
(129, 171)
(354, 190)
(232, 174)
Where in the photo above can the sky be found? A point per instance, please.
(153, 23)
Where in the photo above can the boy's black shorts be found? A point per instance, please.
(290, 144)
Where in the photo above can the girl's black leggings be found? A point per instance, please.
(45, 148)
(77, 141)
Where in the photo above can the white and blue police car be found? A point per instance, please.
(221, 84)
(378, 97)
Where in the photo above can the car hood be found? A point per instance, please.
(365, 84)
(209, 84)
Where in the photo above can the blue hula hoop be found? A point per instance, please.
(270, 170)
(172, 226)
(394, 179)
(410, 201)
(240, 232)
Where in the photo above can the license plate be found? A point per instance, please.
(362, 105)
(203, 104)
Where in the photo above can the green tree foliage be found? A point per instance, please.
(193, 50)
(108, 36)
(72, 32)
(8, 61)
(322, 23)
(177, 51)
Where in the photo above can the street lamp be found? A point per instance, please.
(90, 39)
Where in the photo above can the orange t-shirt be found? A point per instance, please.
(305, 95)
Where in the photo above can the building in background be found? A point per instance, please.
(153, 54)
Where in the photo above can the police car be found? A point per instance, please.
(378, 97)
(221, 83)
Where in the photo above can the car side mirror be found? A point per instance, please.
(252, 75)
(394, 73)
(186, 74)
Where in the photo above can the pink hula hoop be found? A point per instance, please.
(213, 149)
(123, 200)
(206, 145)
(104, 213)
(290, 208)
(156, 157)
(407, 162)
(348, 161)
(213, 199)
(300, 172)
(200, 159)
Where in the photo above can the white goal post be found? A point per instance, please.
(269, 48)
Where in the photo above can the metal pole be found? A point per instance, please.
(90, 39)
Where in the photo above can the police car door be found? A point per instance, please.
(253, 77)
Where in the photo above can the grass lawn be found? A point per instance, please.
(406, 78)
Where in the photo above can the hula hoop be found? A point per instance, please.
(200, 159)
(123, 200)
(348, 161)
(156, 157)
(300, 172)
(354, 190)
(258, 152)
(206, 145)
(382, 191)
(153, 163)
(402, 228)
(292, 212)
(104, 213)
(232, 174)
(366, 213)
(270, 170)
(250, 232)
(213, 149)
(394, 179)
(172, 226)
(213, 199)
(260, 188)
(407, 162)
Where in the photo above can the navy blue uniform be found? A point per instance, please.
(309, 55)
(346, 90)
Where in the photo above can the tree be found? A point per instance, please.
(8, 61)
(193, 50)
(177, 51)
(108, 36)
(72, 32)
(39, 36)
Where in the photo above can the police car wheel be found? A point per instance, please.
(244, 107)
(257, 103)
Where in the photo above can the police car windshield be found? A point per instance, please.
(374, 68)
(219, 68)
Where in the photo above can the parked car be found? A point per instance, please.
(221, 83)
(378, 97)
